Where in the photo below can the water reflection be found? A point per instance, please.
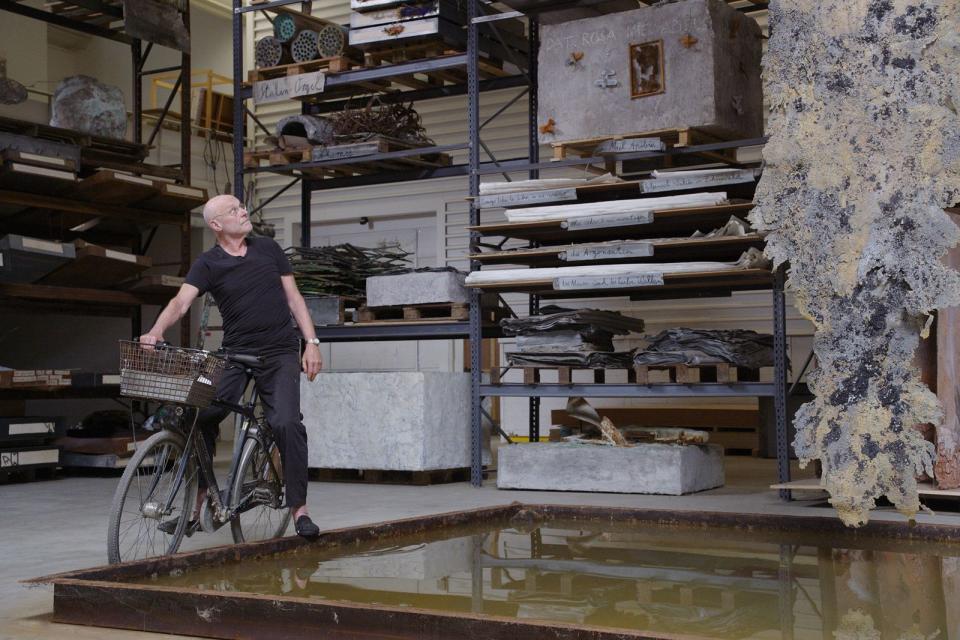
(713, 584)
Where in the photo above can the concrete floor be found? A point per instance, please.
(59, 525)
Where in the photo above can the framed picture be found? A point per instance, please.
(646, 69)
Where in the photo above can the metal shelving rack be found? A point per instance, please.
(104, 19)
(475, 329)
(338, 82)
(776, 389)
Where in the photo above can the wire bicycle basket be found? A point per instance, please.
(169, 374)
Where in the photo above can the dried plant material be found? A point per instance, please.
(864, 156)
(399, 120)
(611, 434)
(343, 269)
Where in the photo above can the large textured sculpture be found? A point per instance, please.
(86, 105)
(863, 158)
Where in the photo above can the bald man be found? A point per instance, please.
(252, 283)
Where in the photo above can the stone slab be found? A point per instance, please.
(325, 310)
(391, 421)
(416, 288)
(644, 468)
(608, 75)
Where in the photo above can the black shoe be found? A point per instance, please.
(170, 526)
(305, 527)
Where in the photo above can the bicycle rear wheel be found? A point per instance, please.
(141, 526)
(257, 495)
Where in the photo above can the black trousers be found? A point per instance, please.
(278, 383)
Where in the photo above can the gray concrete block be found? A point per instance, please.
(416, 288)
(704, 73)
(644, 468)
(325, 310)
(402, 421)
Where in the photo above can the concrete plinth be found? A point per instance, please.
(396, 421)
(416, 288)
(644, 468)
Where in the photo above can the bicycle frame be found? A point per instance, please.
(246, 426)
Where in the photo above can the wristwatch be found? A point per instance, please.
(315, 341)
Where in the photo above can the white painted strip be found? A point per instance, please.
(47, 159)
(395, 31)
(631, 145)
(120, 255)
(27, 458)
(184, 191)
(27, 428)
(520, 198)
(43, 245)
(133, 179)
(609, 220)
(282, 89)
(574, 283)
(702, 181)
(41, 171)
(111, 378)
(607, 251)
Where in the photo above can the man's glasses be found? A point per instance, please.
(234, 211)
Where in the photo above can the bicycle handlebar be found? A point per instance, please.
(240, 358)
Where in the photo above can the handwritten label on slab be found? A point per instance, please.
(344, 151)
(633, 145)
(279, 89)
(574, 283)
(607, 251)
(521, 198)
(604, 220)
(678, 182)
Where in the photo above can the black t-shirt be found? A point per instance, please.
(249, 294)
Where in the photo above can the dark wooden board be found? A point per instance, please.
(97, 267)
(112, 187)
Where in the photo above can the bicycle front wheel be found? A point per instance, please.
(153, 501)
(257, 495)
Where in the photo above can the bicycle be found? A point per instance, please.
(157, 495)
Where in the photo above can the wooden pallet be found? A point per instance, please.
(452, 311)
(378, 476)
(348, 167)
(640, 374)
(587, 147)
(336, 64)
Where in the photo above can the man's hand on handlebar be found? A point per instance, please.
(149, 339)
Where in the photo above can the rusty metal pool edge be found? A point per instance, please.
(94, 597)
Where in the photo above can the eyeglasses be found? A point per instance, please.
(234, 211)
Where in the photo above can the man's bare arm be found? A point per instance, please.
(171, 314)
(312, 361)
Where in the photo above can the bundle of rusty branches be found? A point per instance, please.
(399, 120)
(343, 269)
